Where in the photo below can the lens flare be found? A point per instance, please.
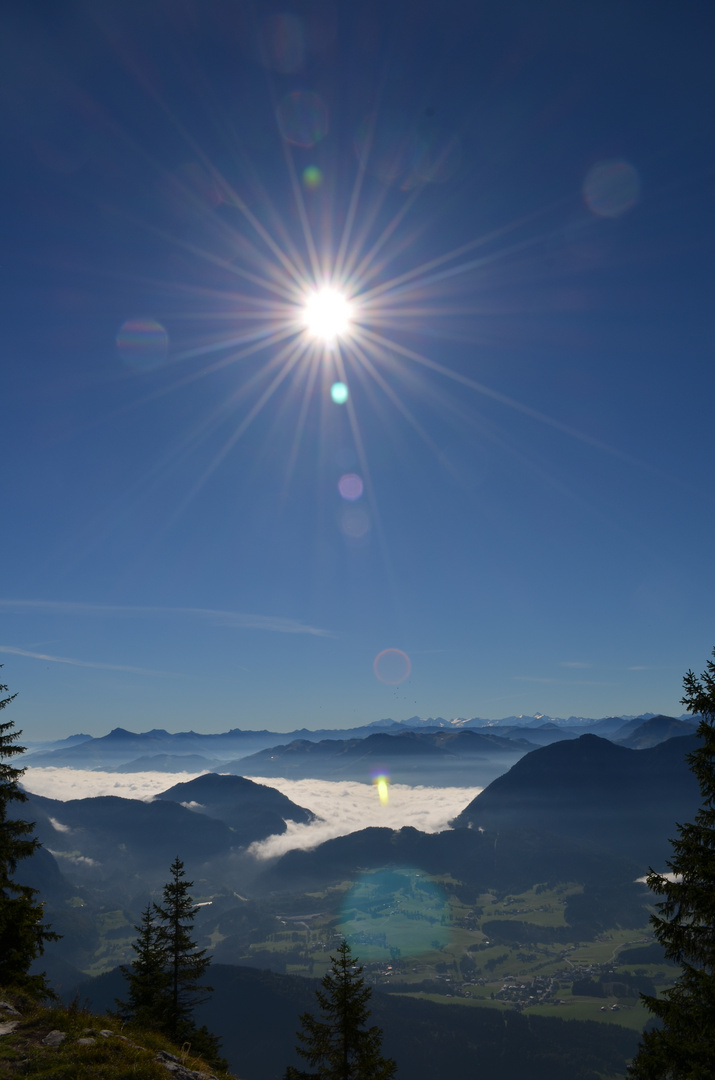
(354, 522)
(339, 393)
(312, 177)
(142, 343)
(381, 781)
(327, 314)
(611, 188)
(394, 912)
(392, 666)
(311, 306)
(350, 486)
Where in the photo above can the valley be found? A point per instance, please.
(415, 937)
(527, 908)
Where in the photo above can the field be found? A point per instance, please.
(415, 936)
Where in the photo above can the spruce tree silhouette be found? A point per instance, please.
(164, 978)
(338, 1046)
(148, 992)
(683, 1048)
(185, 964)
(22, 931)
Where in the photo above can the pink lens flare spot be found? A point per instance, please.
(392, 666)
(350, 486)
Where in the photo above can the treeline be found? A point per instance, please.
(621, 985)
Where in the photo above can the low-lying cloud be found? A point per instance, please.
(346, 805)
(58, 826)
(66, 783)
(341, 807)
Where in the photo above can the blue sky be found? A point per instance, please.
(517, 201)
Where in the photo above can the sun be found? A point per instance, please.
(327, 314)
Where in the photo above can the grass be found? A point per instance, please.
(432, 943)
(632, 1015)
(443, 999)
(115, 1052)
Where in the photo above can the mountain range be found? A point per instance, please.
(559, 809)
(436, 758)
(338, 754)
(572, 798)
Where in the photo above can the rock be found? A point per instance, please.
(162, 1056)
(88, 1041)
(6, 1007)
(55, 1038)
(109, 1034)
(7, 1026)
(179, 1071)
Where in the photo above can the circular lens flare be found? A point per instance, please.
(327, 314)
(339, 393)
(392, 666)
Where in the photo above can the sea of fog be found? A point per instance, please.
(341, 806)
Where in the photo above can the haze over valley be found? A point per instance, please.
(521, 892)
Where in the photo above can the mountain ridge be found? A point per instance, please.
(121, 747)
(621, 799)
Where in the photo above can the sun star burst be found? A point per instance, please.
(327, 314)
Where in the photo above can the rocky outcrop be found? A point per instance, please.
(11, 1020)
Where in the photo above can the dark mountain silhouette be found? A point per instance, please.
(105, 840)
(62, 975)
(626, 801)
(510, 861)
(256, 1015)
(651, 732)
(42, 872)
(109, 836)
(425, 757)
(252, 811)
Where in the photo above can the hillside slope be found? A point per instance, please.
(622, 800)
(51, 1042)
(256, 1014)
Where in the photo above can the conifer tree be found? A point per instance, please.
(185, 964)
(22, 931)
(148, 979)
(338, 1045)
(683, 1047)
(164, 976)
